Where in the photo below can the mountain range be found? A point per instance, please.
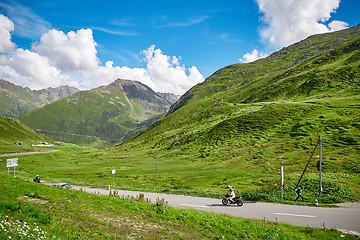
(16, 100)
(112, 113)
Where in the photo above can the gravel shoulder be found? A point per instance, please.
(349, 204)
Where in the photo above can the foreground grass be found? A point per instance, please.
(52, 212)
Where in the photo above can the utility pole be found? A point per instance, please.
(156, 168)
(320, 170)
(282, 183)
(307, 164)
(113, 173)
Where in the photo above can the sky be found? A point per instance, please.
(168, 45)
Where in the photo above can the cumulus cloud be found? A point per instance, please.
(290, 21)
(162, 73)
(253, 56)
(104, 75)
(69, 52)
(71, 59)
(6, 26)
(29, 69)
(167, 73)
(337, 25)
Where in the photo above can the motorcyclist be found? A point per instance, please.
(231, 193)
(37, 179)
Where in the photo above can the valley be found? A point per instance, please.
(236, 128)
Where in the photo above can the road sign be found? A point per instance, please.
(12, 162)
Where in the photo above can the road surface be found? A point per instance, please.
(26, 153)
(345, 219)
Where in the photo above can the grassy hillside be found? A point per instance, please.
(12, 130)
(247, 120)
(30, 210)
(114, 113)
(15, 100)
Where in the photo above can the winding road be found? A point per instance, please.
(345, 219)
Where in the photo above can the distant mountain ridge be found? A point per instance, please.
(50, 95)
(16, 100)
(169, 96)
(114, 112)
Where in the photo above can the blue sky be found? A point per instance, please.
(168, 45)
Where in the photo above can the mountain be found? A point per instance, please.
(270, 112)
(169, 96)
(50, 95)
(16, 100)
(113, 113)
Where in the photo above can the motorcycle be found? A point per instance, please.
(235, 200)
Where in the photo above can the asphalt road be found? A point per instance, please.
(26, 153)
(345, 219)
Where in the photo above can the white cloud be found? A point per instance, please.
(253, 56)
(24, 67)
(290, 21)
(71, 52)
(337, 25)
(162, 73)
(29, 69)
(6, 26)
(71, 59)
(167, 74)
(104, 75)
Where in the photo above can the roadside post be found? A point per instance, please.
(113, 173)
(12, 162)
(282, 182)
(320, 170)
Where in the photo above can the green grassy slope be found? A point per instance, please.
(246, 120)
(12, 130)
(30, 210)
(114, 112)
(15, 100)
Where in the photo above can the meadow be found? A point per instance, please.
(142, 170)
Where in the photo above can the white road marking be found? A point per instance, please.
(294, 215)
(190, 205)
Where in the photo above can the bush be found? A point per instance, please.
(333, 192)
